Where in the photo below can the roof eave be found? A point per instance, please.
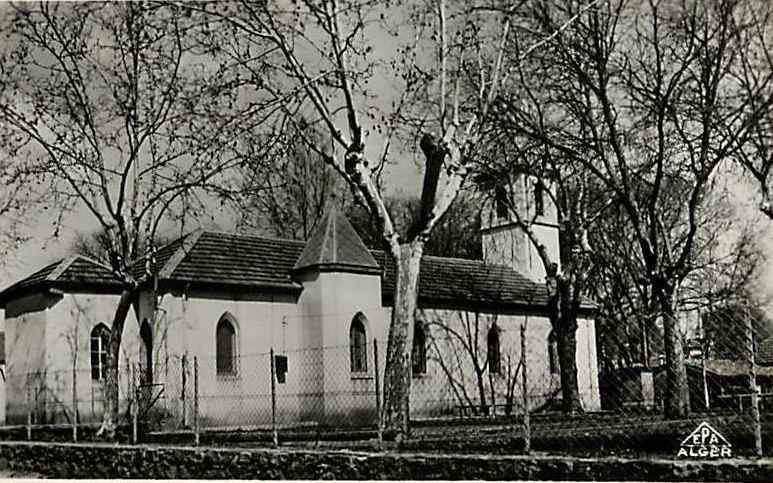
(340, 267)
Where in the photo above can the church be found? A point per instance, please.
(223, 302)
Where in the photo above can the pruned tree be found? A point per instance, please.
(645, 96)
(128, 117)
(321, 58)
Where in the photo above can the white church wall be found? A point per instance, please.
(25, 334)
(451, 380)
(68, 340)
(335, 299)
(587, 365)
(227, 399)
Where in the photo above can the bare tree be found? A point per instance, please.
(129, 118)
(332, 91)
(300, 186)
(645, 96)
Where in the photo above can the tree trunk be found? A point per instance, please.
(110, 399)
(563, 318)
(676, 398)
(566, 338)
(481, 393)
(397, 370)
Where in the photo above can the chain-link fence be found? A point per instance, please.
(489, 385)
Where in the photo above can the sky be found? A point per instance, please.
(402, 177)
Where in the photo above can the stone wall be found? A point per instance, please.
(120, 461)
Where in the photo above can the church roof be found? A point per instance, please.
(66, 273)
(239, 262)
(335, 245)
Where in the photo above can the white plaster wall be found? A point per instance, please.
(25, 335)
(243, 398)
(68, 341)
(349, 397)
(587, 365)
(433, 393)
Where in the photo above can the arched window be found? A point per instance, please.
(500, 200)
(539, 199)
(553, 353)
(493, 350)
(358, 346)
(146, 355)
(225, 348)
(100, 336)
(419, 355)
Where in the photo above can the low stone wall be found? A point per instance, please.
(68, 460)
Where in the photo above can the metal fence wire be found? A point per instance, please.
(467, 391)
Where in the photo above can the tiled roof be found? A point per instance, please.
(731, 368)
(457, 280)
(234, 259)
(217, 259)
(65, 273)
(335, 245)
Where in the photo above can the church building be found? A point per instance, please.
(218, 304)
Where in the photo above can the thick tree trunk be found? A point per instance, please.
(566, 337)
(482, 393)
(397, 370)
(676, 398)
(110, 404)
(563, 318)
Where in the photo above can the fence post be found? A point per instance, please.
(134, 401)
(29, 408)
(755, 402)
(274, 432)
(196, 400)
(182, 392)
(524, 390)
(378, 394)
(74, 404)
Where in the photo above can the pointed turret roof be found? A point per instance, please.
(335, 245)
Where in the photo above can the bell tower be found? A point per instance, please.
(504, 242)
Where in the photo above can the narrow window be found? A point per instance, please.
(146, 362)
(419, 355)
(358, 345)
(539, 199)
(225, 346)
(100, 336)
(500, 197)
(553, 353)
(493, 350)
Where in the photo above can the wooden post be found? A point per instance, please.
(524, 390)
(274, 432)
(755, 400)
(74, 403)
(182, 391)
(196, 400)
(378, 394)
(134, 401)
(29, 408)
